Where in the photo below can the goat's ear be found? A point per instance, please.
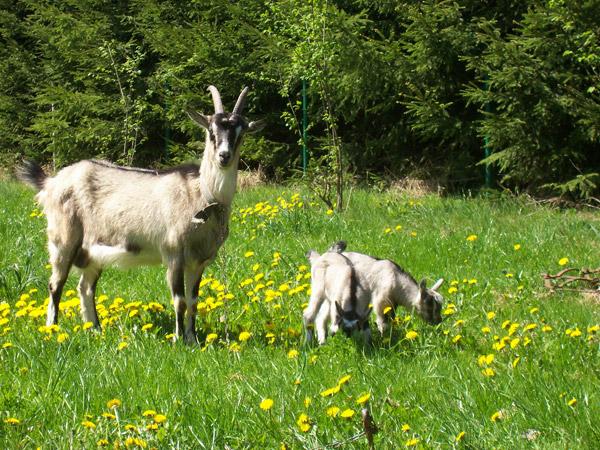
(423, 284)
(200, 119)
(437, 284)
(256, 125)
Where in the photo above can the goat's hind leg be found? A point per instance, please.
(87, 292)
(61, 259)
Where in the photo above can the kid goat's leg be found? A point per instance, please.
(175, 277)
(87, 291)
(192, 282)
(317, 297)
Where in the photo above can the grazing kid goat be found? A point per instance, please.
(100, 215)
(333, 298)
(383, 284)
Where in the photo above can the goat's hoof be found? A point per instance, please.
(191, 339)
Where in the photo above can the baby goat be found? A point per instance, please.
(100, 214)
(383, 283)
(333, 298)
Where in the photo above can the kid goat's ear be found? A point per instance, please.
(200, 119)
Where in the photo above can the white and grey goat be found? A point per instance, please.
(100, 215)
(383, 283)
(333, 298)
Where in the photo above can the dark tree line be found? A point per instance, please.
(395, 87)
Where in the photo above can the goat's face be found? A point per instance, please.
(431, 303)
(225, 131)
(349, 321)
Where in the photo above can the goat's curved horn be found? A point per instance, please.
(241, 101)
(216, 99)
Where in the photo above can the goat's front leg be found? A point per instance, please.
(317, 297)
(175, 277)
(193, 275)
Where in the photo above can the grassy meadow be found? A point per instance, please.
(511, 366)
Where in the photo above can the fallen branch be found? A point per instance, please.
(588, 280)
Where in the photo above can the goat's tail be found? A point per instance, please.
(31, 173)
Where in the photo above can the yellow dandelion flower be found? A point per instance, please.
(244, 336)
(303, 423)
(488, 372)
(160, 418)
(266, 404)
(472, 237)
(131, 427)
(563, 261)
(456, 338)
(515, 361)
(546, 328)
(292, 354)
(405, 428)
(87, 325)
(344, 380)
(149, 413)
(109, 416)
(333, 411)
(329, 212)
(331, 391)
(387, 309)
(210, 337)
(248, 254)
(517, 247)
(572, 402)
(102, 442)
(147, 326)
(12, 421)
(363, 398)
(169, 336)
(452, 290)
(88, 424)
(460, 436)
(307, 402)
(412, 442)
(387, 230)
(411, 335)
(114, 403)
(497, 416)
(7, 345)
(347, 413)
(122, 346)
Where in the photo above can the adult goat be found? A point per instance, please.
(100, 215)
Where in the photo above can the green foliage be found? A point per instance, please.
(540, 86)
(395, 88)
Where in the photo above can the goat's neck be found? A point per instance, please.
(408, 291)
(217, 184)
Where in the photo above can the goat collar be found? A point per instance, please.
(204, 214)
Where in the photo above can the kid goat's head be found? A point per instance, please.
(431, 302)
(225, 131)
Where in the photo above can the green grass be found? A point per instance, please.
(210, 395)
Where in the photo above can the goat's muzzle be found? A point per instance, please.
(224, 158)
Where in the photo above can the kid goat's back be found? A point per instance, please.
(100, 214)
